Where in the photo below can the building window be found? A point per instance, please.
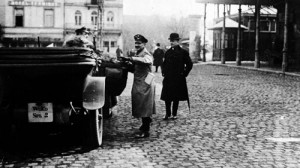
(110, 16)
(106, 43)
(19, 17)
(264, 25)
(252, 25)
(113, 44)
(226, 40)
(273, 25)
(230, 40)
(217, 40)
(110, 19)
(94, 18)
(78, 18)
(49, 18)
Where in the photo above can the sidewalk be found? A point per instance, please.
(249, 65)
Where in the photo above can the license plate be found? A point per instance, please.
(40, 112)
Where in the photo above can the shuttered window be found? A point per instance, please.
(49, 18)
(77, 18)
(94, 18)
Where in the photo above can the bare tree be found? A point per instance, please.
(152, 27)
(179, 25)
(155, 28)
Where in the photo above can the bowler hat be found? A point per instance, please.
(140, 38)
(174, 36)
(157, 44)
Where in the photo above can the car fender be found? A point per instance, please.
(94, 92)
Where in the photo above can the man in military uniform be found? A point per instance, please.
(80, 40)
(143, 92)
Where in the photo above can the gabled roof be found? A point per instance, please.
(244, 2)
(265, 10)
(229, 23)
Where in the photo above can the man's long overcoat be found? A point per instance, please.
(158, 56)
(142, 94)
(176, 67)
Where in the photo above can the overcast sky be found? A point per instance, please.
(161, 7)
(171, 8)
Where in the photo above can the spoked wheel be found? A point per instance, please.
(95, 125)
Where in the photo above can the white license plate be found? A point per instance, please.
(40, 112)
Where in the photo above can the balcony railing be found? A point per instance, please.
(111, 26)
(77, 26)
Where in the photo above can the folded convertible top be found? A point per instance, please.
(43, 53)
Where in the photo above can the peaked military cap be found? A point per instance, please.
(140, 38)
(82, 30)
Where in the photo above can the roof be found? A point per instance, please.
(244, 2)
(229, 23)
(266, 10)
(185, 41)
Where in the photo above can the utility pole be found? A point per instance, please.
(257, 34)
(64, 19)
(204, 34)
(99, 24)
(286, 33)
(218, 11)
(239, 34)
(223, 36)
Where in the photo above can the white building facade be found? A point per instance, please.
(27, 23)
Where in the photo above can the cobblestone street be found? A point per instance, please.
(239, 118)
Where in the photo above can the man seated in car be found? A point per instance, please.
(80, 40)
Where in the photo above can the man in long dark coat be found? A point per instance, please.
(158, 56)
(176, 67)
(119, 52)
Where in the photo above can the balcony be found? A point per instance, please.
(106, 26)
(73, 26)
(93, 3)
(17, 32)
(112, 26)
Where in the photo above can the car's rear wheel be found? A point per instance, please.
(107, 112)
(95, 128)
(5, 127)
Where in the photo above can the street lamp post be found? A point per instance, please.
(94, 37)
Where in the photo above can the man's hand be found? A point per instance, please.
(126, 58)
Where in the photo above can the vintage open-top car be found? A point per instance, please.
(55, 87)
